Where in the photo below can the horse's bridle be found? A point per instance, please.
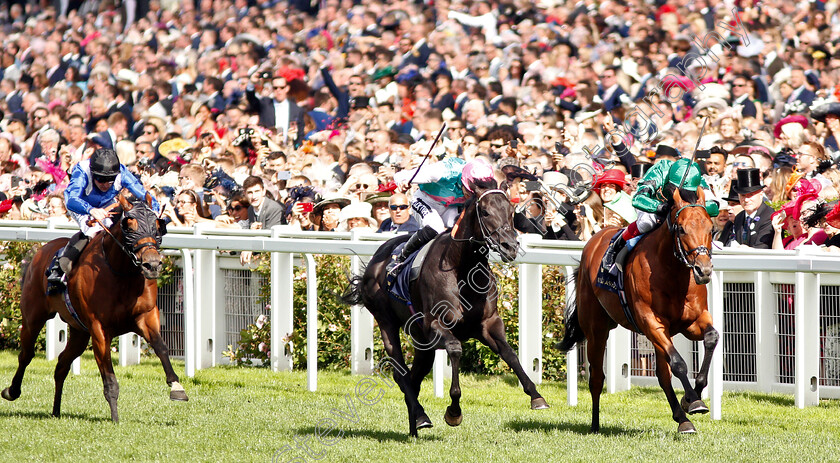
(142, 243)
(679, 250)
(487, 235)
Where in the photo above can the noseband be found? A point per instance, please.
(139, 245)
(679, 250)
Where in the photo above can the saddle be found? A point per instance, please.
(613, 279)
(408, 273)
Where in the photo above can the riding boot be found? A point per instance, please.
(612, 252)
(415, 243)
(63, 264)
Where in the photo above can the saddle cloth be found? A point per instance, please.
(614, 282)
(409, 272)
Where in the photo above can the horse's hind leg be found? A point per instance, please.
(102, 352)
(494, 337)
(77, 342)
(32, 326)
(149, 327)
(417, 418)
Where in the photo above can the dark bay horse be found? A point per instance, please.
(664, 300)
(454, 299)
(113, 289)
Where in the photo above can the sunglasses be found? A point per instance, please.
(398, 207)
(362, 186)
(236, 208)
(102, 179)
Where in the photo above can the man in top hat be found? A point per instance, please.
(753, 226)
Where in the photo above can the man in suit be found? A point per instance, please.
(401, 220)
(752, 226)
(277, 111)
(800, 90)
(741, 95)
(609, 91)
(263, 212)
(14, 96)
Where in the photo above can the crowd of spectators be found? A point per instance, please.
(300, 113)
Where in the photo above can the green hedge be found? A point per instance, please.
(14, 254)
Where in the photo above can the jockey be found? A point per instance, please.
(94, 184)
(443, 187)
(652, 200)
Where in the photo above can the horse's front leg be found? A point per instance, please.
(453, 416)
(493, 335)
(665, 363)
(102, 353)
(148, 326)
(701, 329)
(77, 342)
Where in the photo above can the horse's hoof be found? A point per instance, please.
(698, 406)
(423, 422)
(539, 404)
(8, 395)
(686, 427)
(178, 395)
(452, 420)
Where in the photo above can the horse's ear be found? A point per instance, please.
(677, 198)
(126, 206)
(701, 195)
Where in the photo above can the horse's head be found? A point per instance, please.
(142, 233)
(691, 227)
(493, 222)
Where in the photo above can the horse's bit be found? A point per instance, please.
(679, 250)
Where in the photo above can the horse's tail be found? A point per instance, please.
(353, 294)
(574, 334)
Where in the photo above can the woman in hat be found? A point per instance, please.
(326, 214)
(826, 216)
(792, 217)
(618, 207)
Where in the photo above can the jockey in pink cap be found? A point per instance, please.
(442, 188)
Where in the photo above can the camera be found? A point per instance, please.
(360, 102)
(243, 138)
(265, 75)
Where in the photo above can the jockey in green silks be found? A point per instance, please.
(652, 200)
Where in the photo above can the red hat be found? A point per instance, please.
(613, 176)
(833, 217)
(5, 205)
(792, 119)
(794, 208)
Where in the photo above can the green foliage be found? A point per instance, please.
(14, 255)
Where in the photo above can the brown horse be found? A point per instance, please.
(663, 297)
(113, 289)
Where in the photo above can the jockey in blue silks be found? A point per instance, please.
(94, 185)
(442, 188)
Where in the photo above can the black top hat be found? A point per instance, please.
(749, 180)
(822, 111)
(639, 169)
(666, 151)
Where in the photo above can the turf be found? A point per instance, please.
(245, 414)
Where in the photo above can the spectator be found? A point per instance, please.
(753, 226)
(400, 220)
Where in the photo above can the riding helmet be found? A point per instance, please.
(104, 163)
(677, 175)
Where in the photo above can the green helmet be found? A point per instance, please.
(677, 171)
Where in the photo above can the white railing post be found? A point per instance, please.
(807, 338)
(56, 337)
(715, 387)
(191, 346)
(311, 324)
(439, 371)
(766, 334)
(361, 331)
(129, 346)
(572, 355)
(205, 304)
(619, 347)
(282, 308)
(530, 318)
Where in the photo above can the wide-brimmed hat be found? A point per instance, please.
(822, 111)
(327, 200)
(792, 119)
(711, 102)
(613, 176)
(175, 144)
(356, 211)
(794, 208)
(666, 151)
(749, 180)
(376, 198)
(554, 179)
(513, 172)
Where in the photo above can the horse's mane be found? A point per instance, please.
(481, 184)
(687, 195)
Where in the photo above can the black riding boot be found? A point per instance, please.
(417, 240)
(612, 252)
(63, 264)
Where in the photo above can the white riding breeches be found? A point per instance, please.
(647, 221)
(89, 230)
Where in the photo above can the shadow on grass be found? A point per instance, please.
(47, 415)
(381, 436)
(780, 400)
(577, 428)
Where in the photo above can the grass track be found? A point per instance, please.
(249, 414)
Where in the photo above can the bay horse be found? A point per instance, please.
(113, 289)
(663, 297)
(454, 299)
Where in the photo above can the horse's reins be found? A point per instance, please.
(141, 244)
(679, 250)
(485, 230)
